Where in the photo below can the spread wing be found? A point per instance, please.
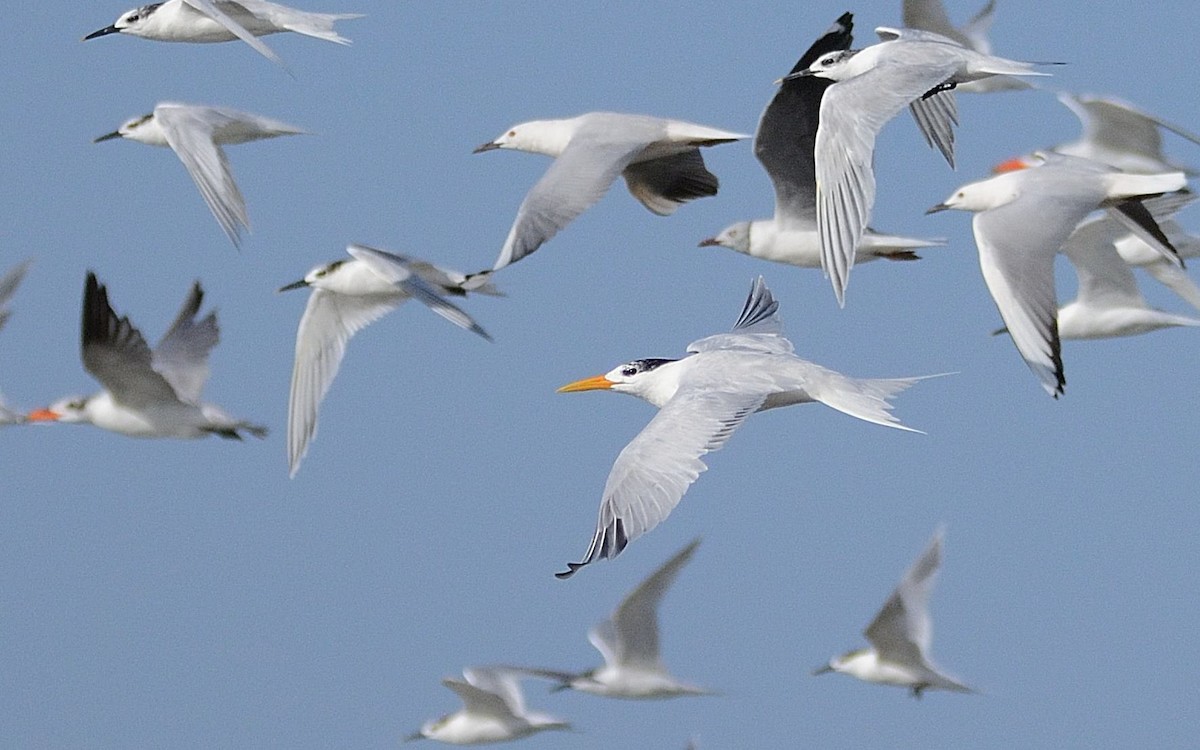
(655, 469)
(635, 621)
(213, 11)
(182, 354)
(903, 630)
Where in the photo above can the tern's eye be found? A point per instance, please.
(75, 405)
(629, 371)
(321, 273)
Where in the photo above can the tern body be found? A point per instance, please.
(783, 144)
(347, 295)
(493, 711)
(206, 21)
(659, 159)
(1023, 218)
(909, 68)
(900, 635)
(196, 133)
(628, 640)
(702, 399)
(149, 393)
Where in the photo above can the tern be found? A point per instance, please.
(196, 133)
(900, 635)
(493, 711)
(224, 21)
(783, 144)
(912, 68)
(659, 159)
(628, 641)
(347, 295)
(150, 393)
(8, 287)
(1115, 133)
(930, 15)
(702, 399)
(1023, 217)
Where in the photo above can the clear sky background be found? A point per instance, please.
(187, 594)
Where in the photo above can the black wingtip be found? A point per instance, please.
(571, 568)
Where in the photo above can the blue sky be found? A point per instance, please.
(187, 594)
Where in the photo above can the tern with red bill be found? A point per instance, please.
(150, 393)
(702, 399)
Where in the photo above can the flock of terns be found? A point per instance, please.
(1107, 202)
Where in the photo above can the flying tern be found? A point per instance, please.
(196, 133)
(224, 21)
(1023, 217)
(8, 287)
(930, 15)
(659, 159)
(900, 635)
(628, 641)
(152, 393)
(493, 711)
(348, 295)
(910, 68)
(702, 399)
(1115, 133)
(784, 146)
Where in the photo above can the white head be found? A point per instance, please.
(130, 22)
(850, 663)
(321, 277)
(734, 237)
(984, 194)
(641, 378)
(72, 410)
(142, 129)
(836, 66)
(548, 137)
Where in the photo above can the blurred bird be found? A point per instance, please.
(1115, 133)
(784, 146)
(196, 133)
(930, 15)
(147, 393)
(347, 295)
(1023, 218)
(912, 68)
(224, 21)
(900, 635)
(8, 287)
(702, 400)
(493, 711)
(628, 641)
(659, 159)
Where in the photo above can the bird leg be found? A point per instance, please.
(947, 86)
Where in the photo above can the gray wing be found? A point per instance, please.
(652, 473)
(8, 286)
(1175, 279)
(787, 131)
(116, 354)
(329, 321)
(936, 117)
(400, 271)
(852, 113)
(635, 621)
(478, 701)
(572, 184)
(503, 683)
(1105, 279)
(930, 15)
(758, 328)
(1017, 243)
(211, 9)
(189, 132)
(1114, 126)
(181, 356)
(317, 25)
(903, 630)
(666, 183)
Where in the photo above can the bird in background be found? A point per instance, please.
(149, 393)
(629, 642)
(196, 133)
(909, 68)
(783, 144)
(659, 159)
(493, 711)
(347, 295)
(702, 399)
(930, 15)
(900, 635)
(1023, 218)
(1116, 133)
(8, 287)
(224, 21)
